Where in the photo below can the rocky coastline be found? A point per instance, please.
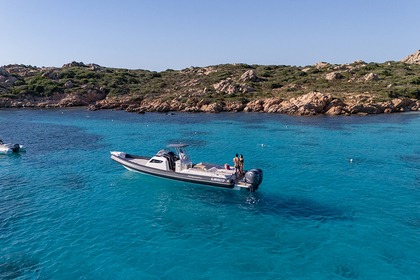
(189, 91)
(313, 103)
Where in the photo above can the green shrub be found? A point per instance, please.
(275, 85)
(415, 81)
(68, 74)
(405, 92)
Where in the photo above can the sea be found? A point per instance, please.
(340, 198)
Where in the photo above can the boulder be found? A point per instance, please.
(7, 81)
(343, 67)
(416, 106)
(403, 104)
(333, 76)
(359, 61)
(249, 76)
(371, 77)
(206, 70)
(335, 107)
(271, 105)
(68, 84)
(93, 66)
(234, 106)
(156, 105)
(312, 103)
(322, 64)
(74, 64)
(177, 105)
(212, 108)
(192, 109)
(72, 100)
(287, 107)
(255, 106)
(365, 109)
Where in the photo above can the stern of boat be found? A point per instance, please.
(251, 180)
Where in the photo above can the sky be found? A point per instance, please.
(163, 34)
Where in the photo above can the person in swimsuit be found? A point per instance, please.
(241, 165)
(236, 163)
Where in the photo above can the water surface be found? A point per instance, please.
(339, 200)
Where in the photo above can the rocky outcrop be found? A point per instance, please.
(3, 72)
(312, 103)
(333, 76)
(371, 77)
(212, 108)
(255, 106)
(336, 107)
(6, 79)
(315, 103)
(74, 64)
(250, 76)
(234, 106)
(229, 86)
(412, 58)
(206, 70)
(85, 99)
(320, 65)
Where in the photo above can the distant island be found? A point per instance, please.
(324, 88)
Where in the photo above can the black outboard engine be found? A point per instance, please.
(254, 177)
(16, 148)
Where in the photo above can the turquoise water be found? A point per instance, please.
(340, 198)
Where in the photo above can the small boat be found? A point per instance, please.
(6, 148)
(174, 163)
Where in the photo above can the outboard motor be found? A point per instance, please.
(16, 148)
(254, 177)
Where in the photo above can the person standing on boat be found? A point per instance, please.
(236, 163)
(241, 165)
(182, 156)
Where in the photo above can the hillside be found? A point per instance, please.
(355, 88)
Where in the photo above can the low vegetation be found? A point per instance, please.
(379, 81)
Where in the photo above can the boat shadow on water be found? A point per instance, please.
(259, 203)
(294, 207)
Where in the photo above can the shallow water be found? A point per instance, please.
(339, 199)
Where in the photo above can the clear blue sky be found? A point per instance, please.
(176, 34)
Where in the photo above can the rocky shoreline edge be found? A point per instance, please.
(312, 103)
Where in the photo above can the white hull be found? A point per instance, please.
(169, 166)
